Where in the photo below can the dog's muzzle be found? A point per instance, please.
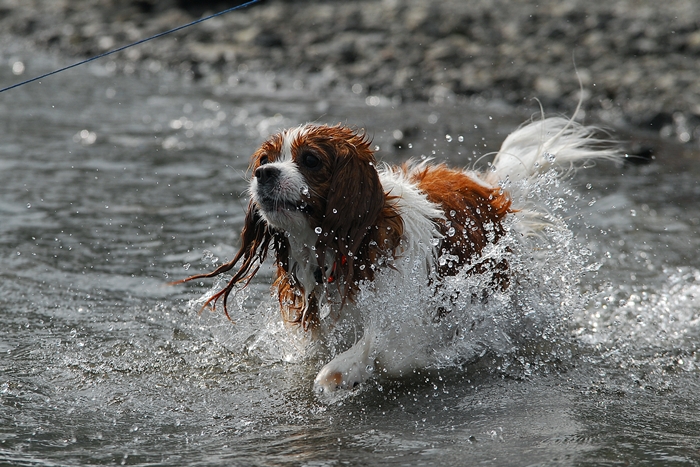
(267, 175)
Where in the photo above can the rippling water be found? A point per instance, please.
(113, 185)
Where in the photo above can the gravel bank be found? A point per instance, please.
(638, 60)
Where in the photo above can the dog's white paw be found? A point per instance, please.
(346, 371)
(333, 377)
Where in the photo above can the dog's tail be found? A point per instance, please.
(538, 147)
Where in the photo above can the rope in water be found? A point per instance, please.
(110, 52)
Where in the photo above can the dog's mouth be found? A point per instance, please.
(272, 205)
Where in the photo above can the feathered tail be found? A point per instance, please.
(536, 148)
(540, 145)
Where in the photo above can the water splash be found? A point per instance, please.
(465, 321)
(655, 319)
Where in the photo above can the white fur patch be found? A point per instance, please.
(540, 145)
(417, 213)
(288, 139)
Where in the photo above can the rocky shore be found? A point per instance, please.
(638, 61)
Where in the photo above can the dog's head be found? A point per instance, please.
(318, 182)
(319, 185)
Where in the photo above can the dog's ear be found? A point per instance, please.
(354, 202)
(255, 237)
(255, 243)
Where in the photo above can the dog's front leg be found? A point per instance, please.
(349, 369)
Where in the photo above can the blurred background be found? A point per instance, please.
(635, 60)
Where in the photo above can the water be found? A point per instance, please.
(111, 186)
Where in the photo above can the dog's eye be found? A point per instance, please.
(264, 160)
(309, 160)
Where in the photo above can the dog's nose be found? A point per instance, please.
(267, 174)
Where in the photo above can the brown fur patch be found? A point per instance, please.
(473, 212)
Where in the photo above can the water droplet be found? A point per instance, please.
(549, 157)
(305, 190)
(335, 211)
(29, 205)
(633, 213)
(453, 213)
(588, 186)
(448, 138)
(460, 138)
(451, 231)
(18, 68)
(186, 266)
(318, 230)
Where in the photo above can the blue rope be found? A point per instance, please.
(129, 45)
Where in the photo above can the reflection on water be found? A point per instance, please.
(110, 186)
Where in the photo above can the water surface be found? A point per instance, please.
(113, 185)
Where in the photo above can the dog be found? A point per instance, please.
(339, 225)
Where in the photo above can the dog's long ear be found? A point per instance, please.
(255, 243)
(355, 200)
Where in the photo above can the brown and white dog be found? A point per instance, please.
(336, 222)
